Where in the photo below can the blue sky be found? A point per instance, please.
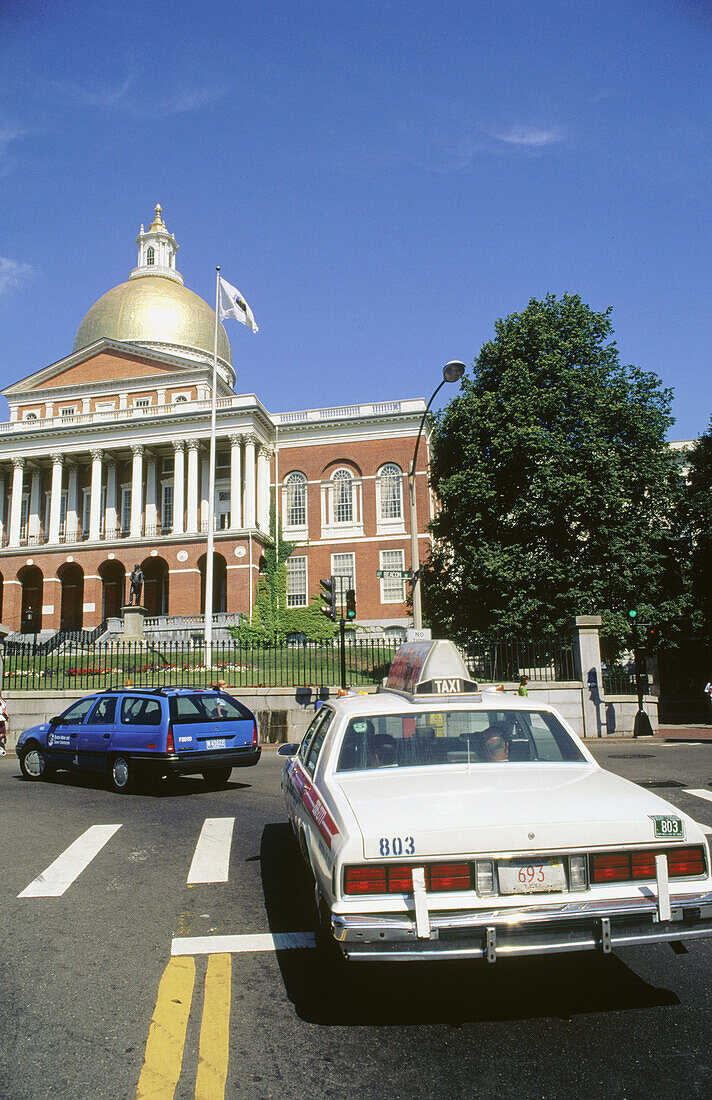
(382, 180)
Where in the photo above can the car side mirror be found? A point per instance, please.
(288, 750)
(55, 721)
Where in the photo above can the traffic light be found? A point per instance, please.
(632, 614)
(351, 604)
(652, 636)
(328, 595)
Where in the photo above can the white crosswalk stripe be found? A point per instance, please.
(59, 876)
(211, 860)
(264, 941)
(707, 795)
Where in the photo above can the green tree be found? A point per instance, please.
(697, 510)
(555, 481)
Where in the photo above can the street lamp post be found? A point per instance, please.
(452, 372)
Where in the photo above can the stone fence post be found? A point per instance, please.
(587, 658)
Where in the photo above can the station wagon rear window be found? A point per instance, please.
(193, 709)
(455, 737)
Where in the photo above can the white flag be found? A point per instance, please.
(231, 305)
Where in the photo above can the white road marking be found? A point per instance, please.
(707, 795)
(60, 875)
(211, 861)
(268, 941)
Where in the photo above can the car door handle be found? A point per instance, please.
(72, 735)
(107, 736)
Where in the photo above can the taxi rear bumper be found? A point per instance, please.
(536, 930)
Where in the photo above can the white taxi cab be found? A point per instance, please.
(443, 822)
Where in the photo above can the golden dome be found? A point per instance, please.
(154, 310)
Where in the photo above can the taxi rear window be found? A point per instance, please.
(189, 710)
(455, 737)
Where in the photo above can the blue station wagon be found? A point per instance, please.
(132, 734)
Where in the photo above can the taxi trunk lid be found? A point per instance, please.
(538, 807)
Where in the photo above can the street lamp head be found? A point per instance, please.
(453, 371)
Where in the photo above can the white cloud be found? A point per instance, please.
(533, 137)
(140, 102)
(12, 273)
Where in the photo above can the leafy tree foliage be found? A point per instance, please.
(555, 481)
(697, 512)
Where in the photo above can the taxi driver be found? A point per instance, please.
(496, 742)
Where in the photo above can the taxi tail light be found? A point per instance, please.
(631, 866)
(365, 880)
(400, 880)
(450, 876)
(170, 746)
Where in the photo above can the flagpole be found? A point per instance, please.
(211, 493)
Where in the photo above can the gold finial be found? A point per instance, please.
(157, 222)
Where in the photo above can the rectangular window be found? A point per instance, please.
(343, 565)
(141, 402)
(167, 507)
(296, 582)
(68, 410)
(392, 587)
(24, 512)
(86, 506)
(222, 510)
(125, 511)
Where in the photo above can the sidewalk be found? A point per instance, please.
(685, 733)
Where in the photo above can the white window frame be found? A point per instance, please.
(167, 505)
(180, 398)
(24, 517)
(341, 568)
(300, 529)
(389, 524)
(125, 509)
(392, 590)
(32, 414)
(67, 410)
(350, 528)
(141, 403)
(223, 507)
(297, 569)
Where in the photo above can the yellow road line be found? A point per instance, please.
(166, 1035)
(215, 1030)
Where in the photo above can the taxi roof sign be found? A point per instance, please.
(429, 668)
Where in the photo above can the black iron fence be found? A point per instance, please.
(76, 661)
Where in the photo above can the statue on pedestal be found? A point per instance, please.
(136, 579)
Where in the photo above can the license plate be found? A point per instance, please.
(524, 876)
(669, 827)
(216, 743)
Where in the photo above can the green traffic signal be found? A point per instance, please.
(632, 613)
(351, 604)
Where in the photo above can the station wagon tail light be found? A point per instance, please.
(633, 866)
(170, 747)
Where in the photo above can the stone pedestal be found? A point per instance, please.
(587, 657)
(133, 616)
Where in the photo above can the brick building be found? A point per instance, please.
(104, 464)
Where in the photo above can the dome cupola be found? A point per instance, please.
(156, 251)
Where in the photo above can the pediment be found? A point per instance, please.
(100, 364)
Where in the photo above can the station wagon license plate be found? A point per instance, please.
(522, 876)
(216, 743)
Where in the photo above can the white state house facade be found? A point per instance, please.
(104, 464)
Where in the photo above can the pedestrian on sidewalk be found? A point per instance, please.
(523, 689)
(708, 690)
(4, 716)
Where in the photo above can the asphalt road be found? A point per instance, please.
(83, 974)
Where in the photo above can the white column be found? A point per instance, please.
(72, 503)
(204, 491)
(33, 520)
(136, 491)
(178, 486)
(192, 519)
(262, 488)
(151, 506)
(95, 494)
(18, 467)
(235, 482)
(111, 519)
(2, 507)
(250, 442)
(55, 500)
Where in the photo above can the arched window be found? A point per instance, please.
(30, 416)
(295, 500)
(150, 256)
(180, 399)
(343, 496)
(390, 482)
